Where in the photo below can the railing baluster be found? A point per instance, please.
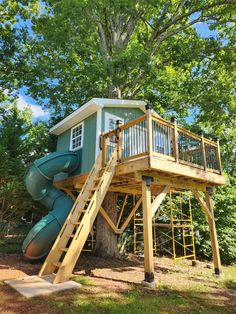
(218, 156)
(149, 130)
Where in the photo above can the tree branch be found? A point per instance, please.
(177, 17)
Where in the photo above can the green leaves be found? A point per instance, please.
(21, 142)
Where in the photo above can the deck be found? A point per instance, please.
(152, 146)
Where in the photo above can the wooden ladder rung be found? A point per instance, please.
(57, 264)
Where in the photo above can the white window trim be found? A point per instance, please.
(82, 136)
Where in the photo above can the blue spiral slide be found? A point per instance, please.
(39, 183)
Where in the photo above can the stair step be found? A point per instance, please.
(97, 180)
(70, 235)
(75, 223)
(64, 249)
(57, 264)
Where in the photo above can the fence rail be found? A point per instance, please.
(154, 136)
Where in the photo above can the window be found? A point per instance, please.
(76, 140)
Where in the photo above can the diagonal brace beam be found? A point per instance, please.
(158, 200)
(108, 220)
(131, 214)
(203, 204)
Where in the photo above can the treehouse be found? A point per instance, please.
(124, 146)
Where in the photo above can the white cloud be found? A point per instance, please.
(36, 110)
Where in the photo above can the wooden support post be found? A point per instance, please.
(119, 140)
(207, 206)
(218, 156)
(149, 130)
(104, 147)
(147, 230)
(175, 139)
(213, 234)
(203, 152)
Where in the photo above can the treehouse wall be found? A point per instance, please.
(87, 152)
(91, 131)
(127, 114)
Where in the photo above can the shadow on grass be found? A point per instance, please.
(137, 300)
(230, 284)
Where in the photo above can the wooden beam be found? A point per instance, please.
(132, 166)
(70, 194)
(202, 203)
(147, 230)
(175, 141)
(108, 220)
(213, 235)
(131, 214)
(149, 133)
(126, 190)
(158, 200)
(186, 171)
(219, 157)
(178, 183)
(121, 210)
(203, 151)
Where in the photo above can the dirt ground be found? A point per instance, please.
(111, 276)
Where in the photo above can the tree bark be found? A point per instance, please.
(106, 240)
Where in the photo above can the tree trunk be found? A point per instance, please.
(106, 240)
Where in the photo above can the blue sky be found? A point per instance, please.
(38, 113)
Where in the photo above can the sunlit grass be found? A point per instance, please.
(85, 281)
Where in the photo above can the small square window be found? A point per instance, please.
(77, 137)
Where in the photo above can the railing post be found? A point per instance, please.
(104, 147)
(119, 140)
(203, 155)
(175, 139)
(218, 155)
(148, 107)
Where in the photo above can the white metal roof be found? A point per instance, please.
(89, 108)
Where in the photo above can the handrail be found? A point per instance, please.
(180, 144)
(196, 136)
(163, 121)
(133, 122)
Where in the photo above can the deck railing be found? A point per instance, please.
(151, 135)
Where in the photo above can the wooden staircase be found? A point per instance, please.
(66, 250)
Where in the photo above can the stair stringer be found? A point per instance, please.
(92, 202)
